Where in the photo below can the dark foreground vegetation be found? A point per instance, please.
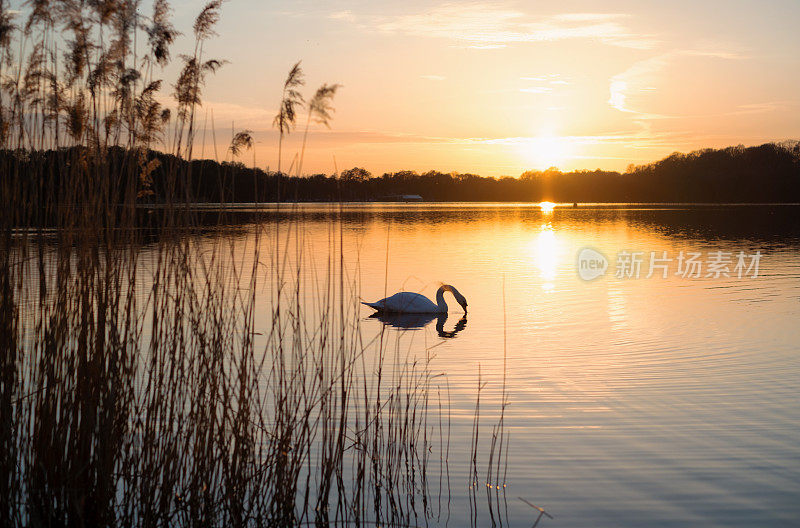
(160, 378)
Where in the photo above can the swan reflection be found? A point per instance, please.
(409, 321)
(460, 325)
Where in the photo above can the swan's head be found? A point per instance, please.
(460, 299)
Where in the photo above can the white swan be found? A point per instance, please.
(410, 302)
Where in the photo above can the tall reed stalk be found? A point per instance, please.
(141, 380)
(285, 119)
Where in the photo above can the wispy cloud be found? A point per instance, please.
(632, 139)
(343, 15)
(223, 112)
(543, 83)
(324, 138)
(489, 26)
(536, 89)
(627, 138)
(642, 75)
(768, 106)
(339, 138)
(433, 77)
(550, 78)
(635, 79)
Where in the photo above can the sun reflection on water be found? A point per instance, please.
(547, 207)
(545, 254)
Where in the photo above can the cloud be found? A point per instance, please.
(628, 139)
(433, 77)
(486, 46)
(491, 26)
(343, 15)
(224, 113)
(767, 106)
(550, 78)
(339, 138)
(643, 74)
(335, 138)
(634, 79)
(544, 83)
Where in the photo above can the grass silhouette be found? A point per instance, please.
(140, 382)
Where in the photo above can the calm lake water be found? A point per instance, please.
(631, 401)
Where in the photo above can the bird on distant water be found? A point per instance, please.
(410, 302)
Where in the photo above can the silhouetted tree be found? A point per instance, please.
(356, 174)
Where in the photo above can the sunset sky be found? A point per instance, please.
(496, 88)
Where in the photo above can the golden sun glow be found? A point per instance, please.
(547, 207)
(574, 86)
(546, 151)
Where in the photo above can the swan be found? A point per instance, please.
(410, 302)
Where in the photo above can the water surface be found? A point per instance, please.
(632, 401)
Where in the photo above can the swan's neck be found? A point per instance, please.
(440, 299)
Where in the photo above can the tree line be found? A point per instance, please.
(765, 173)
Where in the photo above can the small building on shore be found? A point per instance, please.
(402, 198)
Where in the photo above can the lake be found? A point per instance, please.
(632, 401)
(644, 359)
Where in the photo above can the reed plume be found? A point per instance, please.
(188, 89)
(161, 33)
(291, 98)
(241, 141)
(320, 108)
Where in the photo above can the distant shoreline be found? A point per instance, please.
(422, 205)
(767, 174)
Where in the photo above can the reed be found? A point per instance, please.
(320, 109)
(291, 100)
(142, 381)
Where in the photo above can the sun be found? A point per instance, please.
(545, 151)
(547, 207)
